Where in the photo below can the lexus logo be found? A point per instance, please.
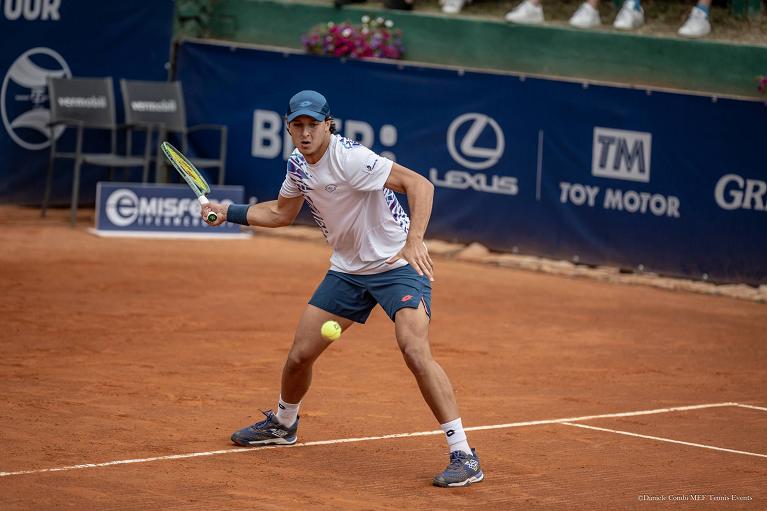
(468, 153)
(24, 97)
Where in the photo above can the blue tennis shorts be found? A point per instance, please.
(354, 296)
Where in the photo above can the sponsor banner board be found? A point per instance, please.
(666, 182)
(161, 209)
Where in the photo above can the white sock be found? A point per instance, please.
(287, 413)
(456, 437)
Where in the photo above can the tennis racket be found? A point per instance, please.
(190, 174)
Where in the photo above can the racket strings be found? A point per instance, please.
(183, 165)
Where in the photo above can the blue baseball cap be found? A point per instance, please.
(308, 102)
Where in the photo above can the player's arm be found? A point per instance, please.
(276, 213)
(420, 194)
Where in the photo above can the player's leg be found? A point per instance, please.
(406, 297)
(335, 299)
(308, 345)
(412, 328)
(412, 331)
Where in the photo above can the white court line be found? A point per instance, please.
(604, 416)
(365, 439)
(661, 439)
(752, 407)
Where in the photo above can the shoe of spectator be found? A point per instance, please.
(585, 17)
(697, 25)
(526, 13)
(629, 17)
(452, 6)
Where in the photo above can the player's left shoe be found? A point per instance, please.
(268, 431)
(463, 470)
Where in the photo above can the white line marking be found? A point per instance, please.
(752, 407)
(365, 439)
(604, 416)
(661, 439)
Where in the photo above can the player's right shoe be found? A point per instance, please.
(268, 431)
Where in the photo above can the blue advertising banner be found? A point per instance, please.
(666, 182)
(66, 38)
(160, 209)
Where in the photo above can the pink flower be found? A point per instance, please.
(374, 38)
(762, 84)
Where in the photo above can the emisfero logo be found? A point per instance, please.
(621, 154)
(125, 208)
(122, 207)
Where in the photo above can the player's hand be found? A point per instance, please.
(214, 207)
(417, 255)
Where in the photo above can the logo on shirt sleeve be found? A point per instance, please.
(370, 163)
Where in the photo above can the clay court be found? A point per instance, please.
(125, 364)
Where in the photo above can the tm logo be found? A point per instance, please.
(481, 157)
(619, 154)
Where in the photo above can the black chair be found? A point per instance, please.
(88, 104)
(162, 104)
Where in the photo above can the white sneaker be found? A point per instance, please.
(629, 17)
(526, 13)
(585, 17)
(697, 25)
(452, 6)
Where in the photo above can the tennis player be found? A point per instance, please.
(378, 258)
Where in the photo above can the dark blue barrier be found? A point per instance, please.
(42, 38)
(668, 182)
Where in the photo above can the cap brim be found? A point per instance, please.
(311, 113)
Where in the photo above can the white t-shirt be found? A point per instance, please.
(363, 221)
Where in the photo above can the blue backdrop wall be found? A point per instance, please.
(670, 182)
(41, 38)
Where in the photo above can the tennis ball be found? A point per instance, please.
(330, 330)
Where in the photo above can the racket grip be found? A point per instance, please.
(212, 217)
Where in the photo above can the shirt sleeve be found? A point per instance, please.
(365, 170)
(289, 187)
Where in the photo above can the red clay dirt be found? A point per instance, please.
(114, 349)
